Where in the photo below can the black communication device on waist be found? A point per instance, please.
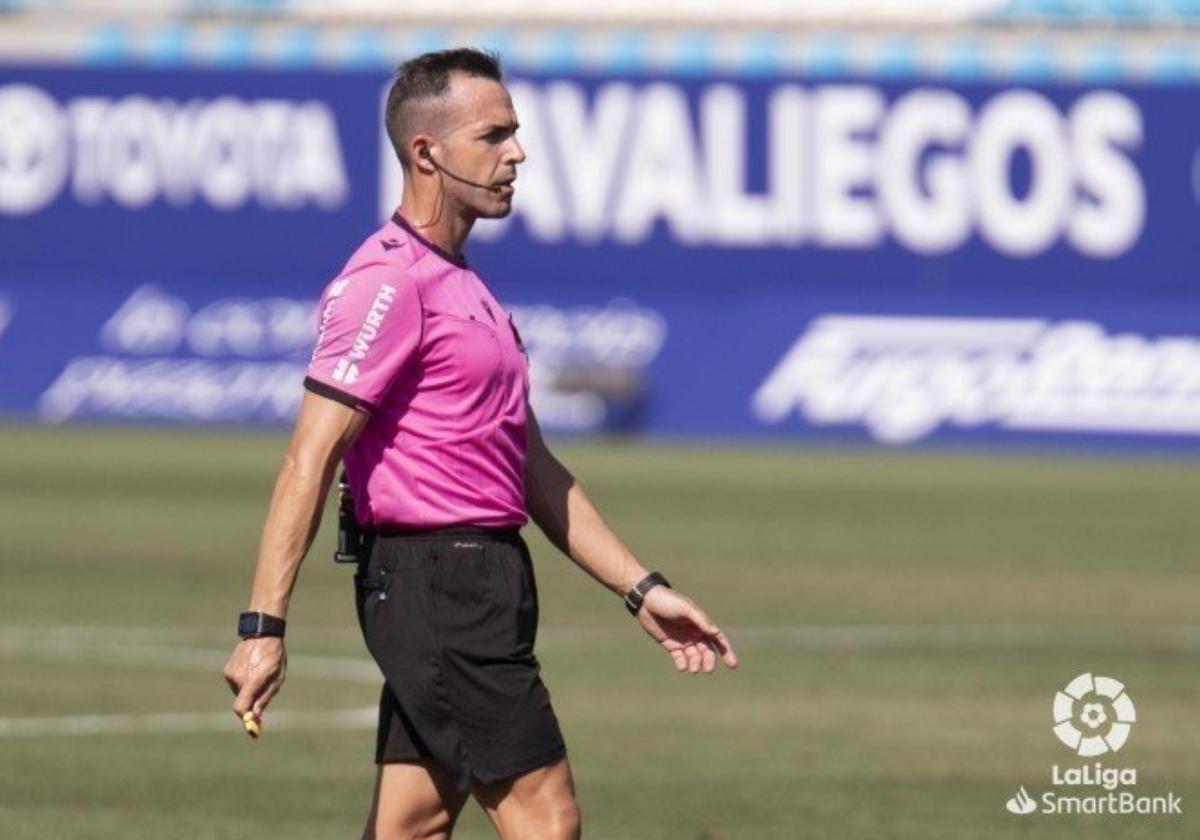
(349, 535)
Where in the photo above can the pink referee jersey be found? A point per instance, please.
(411, 335)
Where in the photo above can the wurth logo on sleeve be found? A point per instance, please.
(346, 370)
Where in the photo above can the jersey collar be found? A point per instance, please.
(399, 220)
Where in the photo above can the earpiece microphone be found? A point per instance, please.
(425, 154)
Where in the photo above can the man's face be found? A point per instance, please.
(479, 143)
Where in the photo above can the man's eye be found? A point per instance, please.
(498, 135)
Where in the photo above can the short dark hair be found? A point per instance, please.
(426, 77)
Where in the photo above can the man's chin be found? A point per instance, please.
(495, 211)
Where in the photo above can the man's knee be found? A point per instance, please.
(547, 818)
(564, 821)
(537, 804)
(436, 827)
(557, 821)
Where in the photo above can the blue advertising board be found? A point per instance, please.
(720, 257)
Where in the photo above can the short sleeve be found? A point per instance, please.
(369, 326)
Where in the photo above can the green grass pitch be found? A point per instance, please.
(903, 622)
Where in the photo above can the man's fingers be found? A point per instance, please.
(706, 625)
(254, 680)
(260, 705)
(727, 653)
(707, 642)
(246, 697)
(721, 645)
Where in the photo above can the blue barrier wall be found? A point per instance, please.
(717, 256)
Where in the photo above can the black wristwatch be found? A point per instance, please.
(255, 625)
(635, 596)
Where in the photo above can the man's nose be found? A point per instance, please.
(517, 153)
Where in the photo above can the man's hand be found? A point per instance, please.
(679, 625)
(255, 672)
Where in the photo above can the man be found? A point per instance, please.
(419, 382)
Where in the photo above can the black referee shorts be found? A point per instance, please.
(451, 616)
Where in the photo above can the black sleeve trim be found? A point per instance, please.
(321, 389)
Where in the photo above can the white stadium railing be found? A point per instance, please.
(1134, 13)
(1067, 40)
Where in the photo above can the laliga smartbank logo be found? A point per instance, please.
(1093, 716)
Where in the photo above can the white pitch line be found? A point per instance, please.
(178, 658)
(154, 723)
(113, 645)
(944, 637)
(116, 645)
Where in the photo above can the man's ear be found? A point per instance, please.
(422, 159)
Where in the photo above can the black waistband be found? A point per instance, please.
(394, 533)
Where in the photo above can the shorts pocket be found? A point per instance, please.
(372, 590)
(466, 576)
(527, 603)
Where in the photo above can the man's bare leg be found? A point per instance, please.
(536, 805)
(413, 799)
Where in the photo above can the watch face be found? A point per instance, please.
(247, 624)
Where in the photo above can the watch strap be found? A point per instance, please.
(255, 625)
(636, 595)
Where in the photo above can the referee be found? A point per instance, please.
(419, 384)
